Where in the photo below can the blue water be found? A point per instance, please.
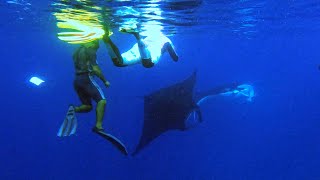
(272, 45)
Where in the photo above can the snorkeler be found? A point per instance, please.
(147, 51)
(86, 68)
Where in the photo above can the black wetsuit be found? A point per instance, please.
(84, 83)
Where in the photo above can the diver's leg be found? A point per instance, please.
(78, 85)
(144, 52)
(113, 52)
(100, 113)
(97, 94)
(83, 108)
(173, 54)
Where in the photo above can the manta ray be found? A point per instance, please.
(168, 108)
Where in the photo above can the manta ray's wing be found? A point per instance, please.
(167, 109)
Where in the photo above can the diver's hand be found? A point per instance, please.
(107, 84)
(106, 37)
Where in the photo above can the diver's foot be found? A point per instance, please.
(129, 30)
(175, 58)
(97, 129)
(132, 31)
(172, 52)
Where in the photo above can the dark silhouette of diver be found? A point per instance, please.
(86, 68)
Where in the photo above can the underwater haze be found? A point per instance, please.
(272, 45)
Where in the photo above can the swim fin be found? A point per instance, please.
(115, 141)
(70, 123)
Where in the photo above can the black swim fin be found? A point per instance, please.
(115, 141)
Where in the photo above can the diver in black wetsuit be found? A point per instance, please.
(86, 68)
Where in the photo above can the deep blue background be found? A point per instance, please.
(274, 137)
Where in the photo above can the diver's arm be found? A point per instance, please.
(97, 71)
(113, 50)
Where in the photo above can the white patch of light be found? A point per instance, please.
(152, 29)
(154, 1)
(21, 2)
(37, 81)
(151, 12)
(248, 18)
(248, 25)
(13, 2)
(245, 11)
(131, 21)
(125, 10)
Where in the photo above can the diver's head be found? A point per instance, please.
(93, 44)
